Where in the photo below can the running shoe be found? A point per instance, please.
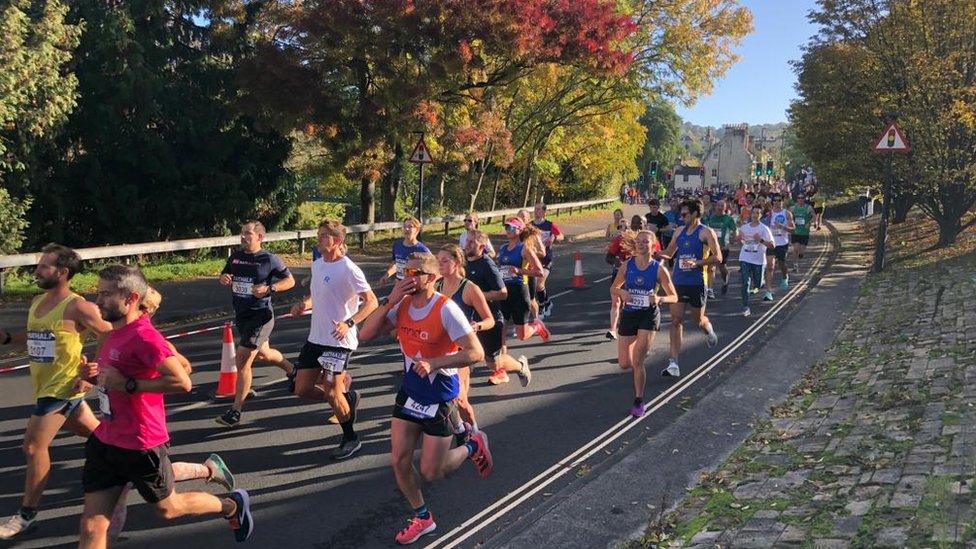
(611, 335)
(241, 521)
(219, 473)
(711, 338)
(746, 312)
(710, 293)
(498, 377)
(333, 419)
(548, 308)
(482, 455)
(542, 331)
(785, 283)
(346, 449)
(637, 411)
(16, 525)
(231, 418)
(525, 375)
(672, 370)
(768, 296)
(415, 529)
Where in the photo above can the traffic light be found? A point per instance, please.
(653, 171)
(701, 170)
(769, 168)
(758, 169)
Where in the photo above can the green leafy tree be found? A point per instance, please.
(663, 128)
(13, 222)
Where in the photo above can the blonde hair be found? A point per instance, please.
(333, 228)
(150, 301)
(416, 221)
(530, 239)
(457, 254)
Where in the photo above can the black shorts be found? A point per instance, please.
(533, 288)
(779, 252)
(254, 328)
(692, 295)
(641, 319)
(323, 357)
(725, 256)
(491, 340)
(440, 425)
(107, 466)
(515, 308)
(818, 209)
(801, 239)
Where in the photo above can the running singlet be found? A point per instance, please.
(801, 218)
(689, 250)
(401, 252)
(548, 229)
(640, 284)
(781, 237)
(458, 298)
(510, 264)
(54, 352)
(427, 337)
(248, 270)
(723, 225)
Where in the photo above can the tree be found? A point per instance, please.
(663, 142)
(12, 222)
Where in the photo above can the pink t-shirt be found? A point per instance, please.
(136, 421)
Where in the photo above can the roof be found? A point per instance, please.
(688, 170)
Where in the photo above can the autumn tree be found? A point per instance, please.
(663, 132)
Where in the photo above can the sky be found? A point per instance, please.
(758, 89)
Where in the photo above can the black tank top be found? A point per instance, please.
(458, 298)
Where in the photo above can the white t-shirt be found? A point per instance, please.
(452, 318)
(335, 289)
(464, 242)
(752, 251)
(781, 236)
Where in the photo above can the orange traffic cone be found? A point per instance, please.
(578, 280)
(227, 385)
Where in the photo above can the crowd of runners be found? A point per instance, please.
(449, 309)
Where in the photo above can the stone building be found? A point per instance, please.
(729, 160)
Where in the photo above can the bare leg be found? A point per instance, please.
(465, 409)
(245, 358)
(95, 518)
(614, 312)
(642, 344)
(41, 430)
(274, 356)
(438, 459)
(677, 330)
(403, 439)
(624, 352)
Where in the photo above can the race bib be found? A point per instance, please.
(800, 222)
(640, 301)
(400, 266)
(751, 248)
(333, 361)
(40, 346)
(509, 272)
(687, 263)
(103, 402)
(418, 410)
(242, 287)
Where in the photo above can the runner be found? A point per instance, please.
(744, 215)
(340, 299)
(403, 247)
(254, 275)
(550, 235)
(724, 226)
(657, 222)
(436, 339)
(636, 286)
(780, 221)
(618, 252)
(56, 321)
(802, 219)
(818, 206)
(135, 369)
(470, 228)
(756, 239)
(531, 238)
(692, 250)
(515, 261)
(613, 228)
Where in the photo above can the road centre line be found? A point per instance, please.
(517, 496)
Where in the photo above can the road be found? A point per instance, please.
(579, 399)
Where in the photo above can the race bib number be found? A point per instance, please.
(687, 263)
(418, 410)
(545, 236)
(333, 361)
(103, 402)
(509, 272)
(40, 346)
(242, 287)
(800, 222)
(640, 301)
(400, 266)
(751, 248)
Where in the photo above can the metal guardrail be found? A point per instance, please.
(146, 248)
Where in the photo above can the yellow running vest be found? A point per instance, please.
(54, 352)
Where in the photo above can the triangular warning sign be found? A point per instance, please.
(892, 140)
(420, 153)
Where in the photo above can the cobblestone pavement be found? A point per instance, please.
(875, 447)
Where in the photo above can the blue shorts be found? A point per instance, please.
(49, 405)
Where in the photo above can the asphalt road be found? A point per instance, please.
(302, 499)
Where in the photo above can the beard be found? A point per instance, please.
(47, 283)
(111, 315)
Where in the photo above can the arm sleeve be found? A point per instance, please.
(154, 352)
(495, 278)
(278, 269)
(453, 321)
(555, 229)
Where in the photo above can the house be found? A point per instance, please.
(729, 161)
(687, 178)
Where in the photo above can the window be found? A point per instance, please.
(685, 178)
(714, 172)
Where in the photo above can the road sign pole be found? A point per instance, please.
(879, 245)
(420, 195)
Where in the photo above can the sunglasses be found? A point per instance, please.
(511, 228)
(469, 220)
(414, 272)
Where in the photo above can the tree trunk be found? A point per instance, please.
(367, 201)
(494, 192)
(481, 177)
(440, 192)
(949, 229)
(392, 184)
(900, 205)
(527, 181)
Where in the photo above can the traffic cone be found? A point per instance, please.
(227, 385)
(578, 280)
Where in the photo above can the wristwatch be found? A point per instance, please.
(350, 322)
(130, 385)
(271, 289)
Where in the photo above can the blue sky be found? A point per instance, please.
(758, 88)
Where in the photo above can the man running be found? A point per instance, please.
(781, 223)
(340, 299)
(803, 217)
(436, 339)
(402, 248)
(724, 226)
(135, 369)
(56, 321)
(254, 275)
(550, 235)
(688, 253)
(657, 222)
(636, 286)
(756, 239)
